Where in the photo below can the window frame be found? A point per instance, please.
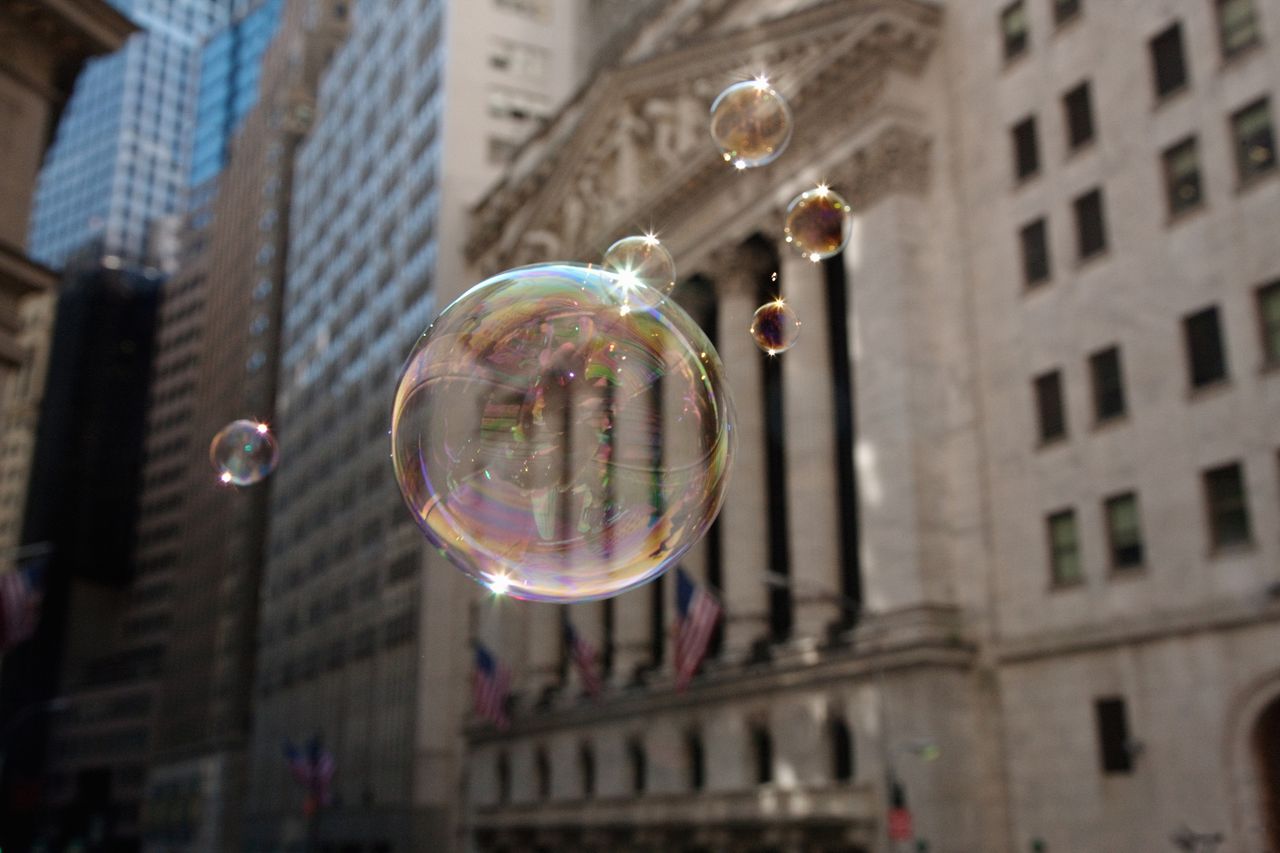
(1041, 384)
(1269, 332)
(1172, 34)
(1057, 578)
(1109, 505)
(1024, 137)
(1223, 371)
(1038, 226)
(1074, 10)
(1022, 45)
(1228, 51)
(1245, 173)
(1214, 513)
(1101, 245)
(1115, 750)
(1168, 158)
(1116, 388)
(1080, 94)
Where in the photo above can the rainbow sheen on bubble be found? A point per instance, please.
(775, 327)
(751, 123)
(643, 260)
(557, 442)
(818, 223)
(243, 452)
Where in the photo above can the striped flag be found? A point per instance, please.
(313, 770)
(696, 616)
(585, 658)
(21, 592)
(490, 688)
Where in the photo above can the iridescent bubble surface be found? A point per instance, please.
(751, 123)
(775, 327)
(818, 223)
(243, 452)
(557, 442)
(642, 260)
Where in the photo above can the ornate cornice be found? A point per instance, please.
(633, 146)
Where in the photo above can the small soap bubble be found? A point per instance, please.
(244, 452)
(818, 223)
(555, 447)
(641, 260)
(751, 123)
(775, 327)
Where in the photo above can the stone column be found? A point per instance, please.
(811, 449)
(744, 519)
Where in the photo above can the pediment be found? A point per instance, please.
(636, 139)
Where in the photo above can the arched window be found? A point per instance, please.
(697, 761)
(503, 773)
(639, 766)
(762, 746)
(841, 750)
(542, 769)
(587, 767)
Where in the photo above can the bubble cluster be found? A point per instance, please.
(818, 223)
(751, 123)
(555, 446)
(244, 452)
(642, 260)
(775, 327)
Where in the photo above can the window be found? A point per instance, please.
(762, 746)
(1255, 142)
(1050, 407)
(1206, 359)
(1064, 549)
(1065, 10)
(1034, 238)
(639, 766)
(1091, 227)
(1228, 507)
(1113, 736)
(503, 772)
(542, 769)
(841, 750)
(1238, 27)
(528, 8)
(697, 762)
(1108, 384)
(1167, 61)
(587, 768)
(1182, 176)
(1015, 30)
(1078, 108)
(1269, 317)
(1124, 531)
(1026, 153)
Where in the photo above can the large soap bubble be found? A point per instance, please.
(751, 123)
(243, 452)
(558, 441)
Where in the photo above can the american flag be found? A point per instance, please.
(313, 770)
(585, 658)
(21, 591)
(490, 688)
(697, 613)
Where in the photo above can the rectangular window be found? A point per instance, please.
(1108, 384)
(1078, 108)
(1113, 736)
(1227, 505)
(1064, 549)
(1015, 30)
(1269, 317)
(1026, 152)
(1182, 176)
(1206, 356)
(1238, 26)
(1065, 10)
(1255, 141)
(1168, 63)
(1091, 227)
(1049, 406)
(1124, 531)
(1034, 238)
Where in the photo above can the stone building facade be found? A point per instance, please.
(1001, 538)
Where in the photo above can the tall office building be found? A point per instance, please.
(999, 556)
(215, 534)
(416, 114)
